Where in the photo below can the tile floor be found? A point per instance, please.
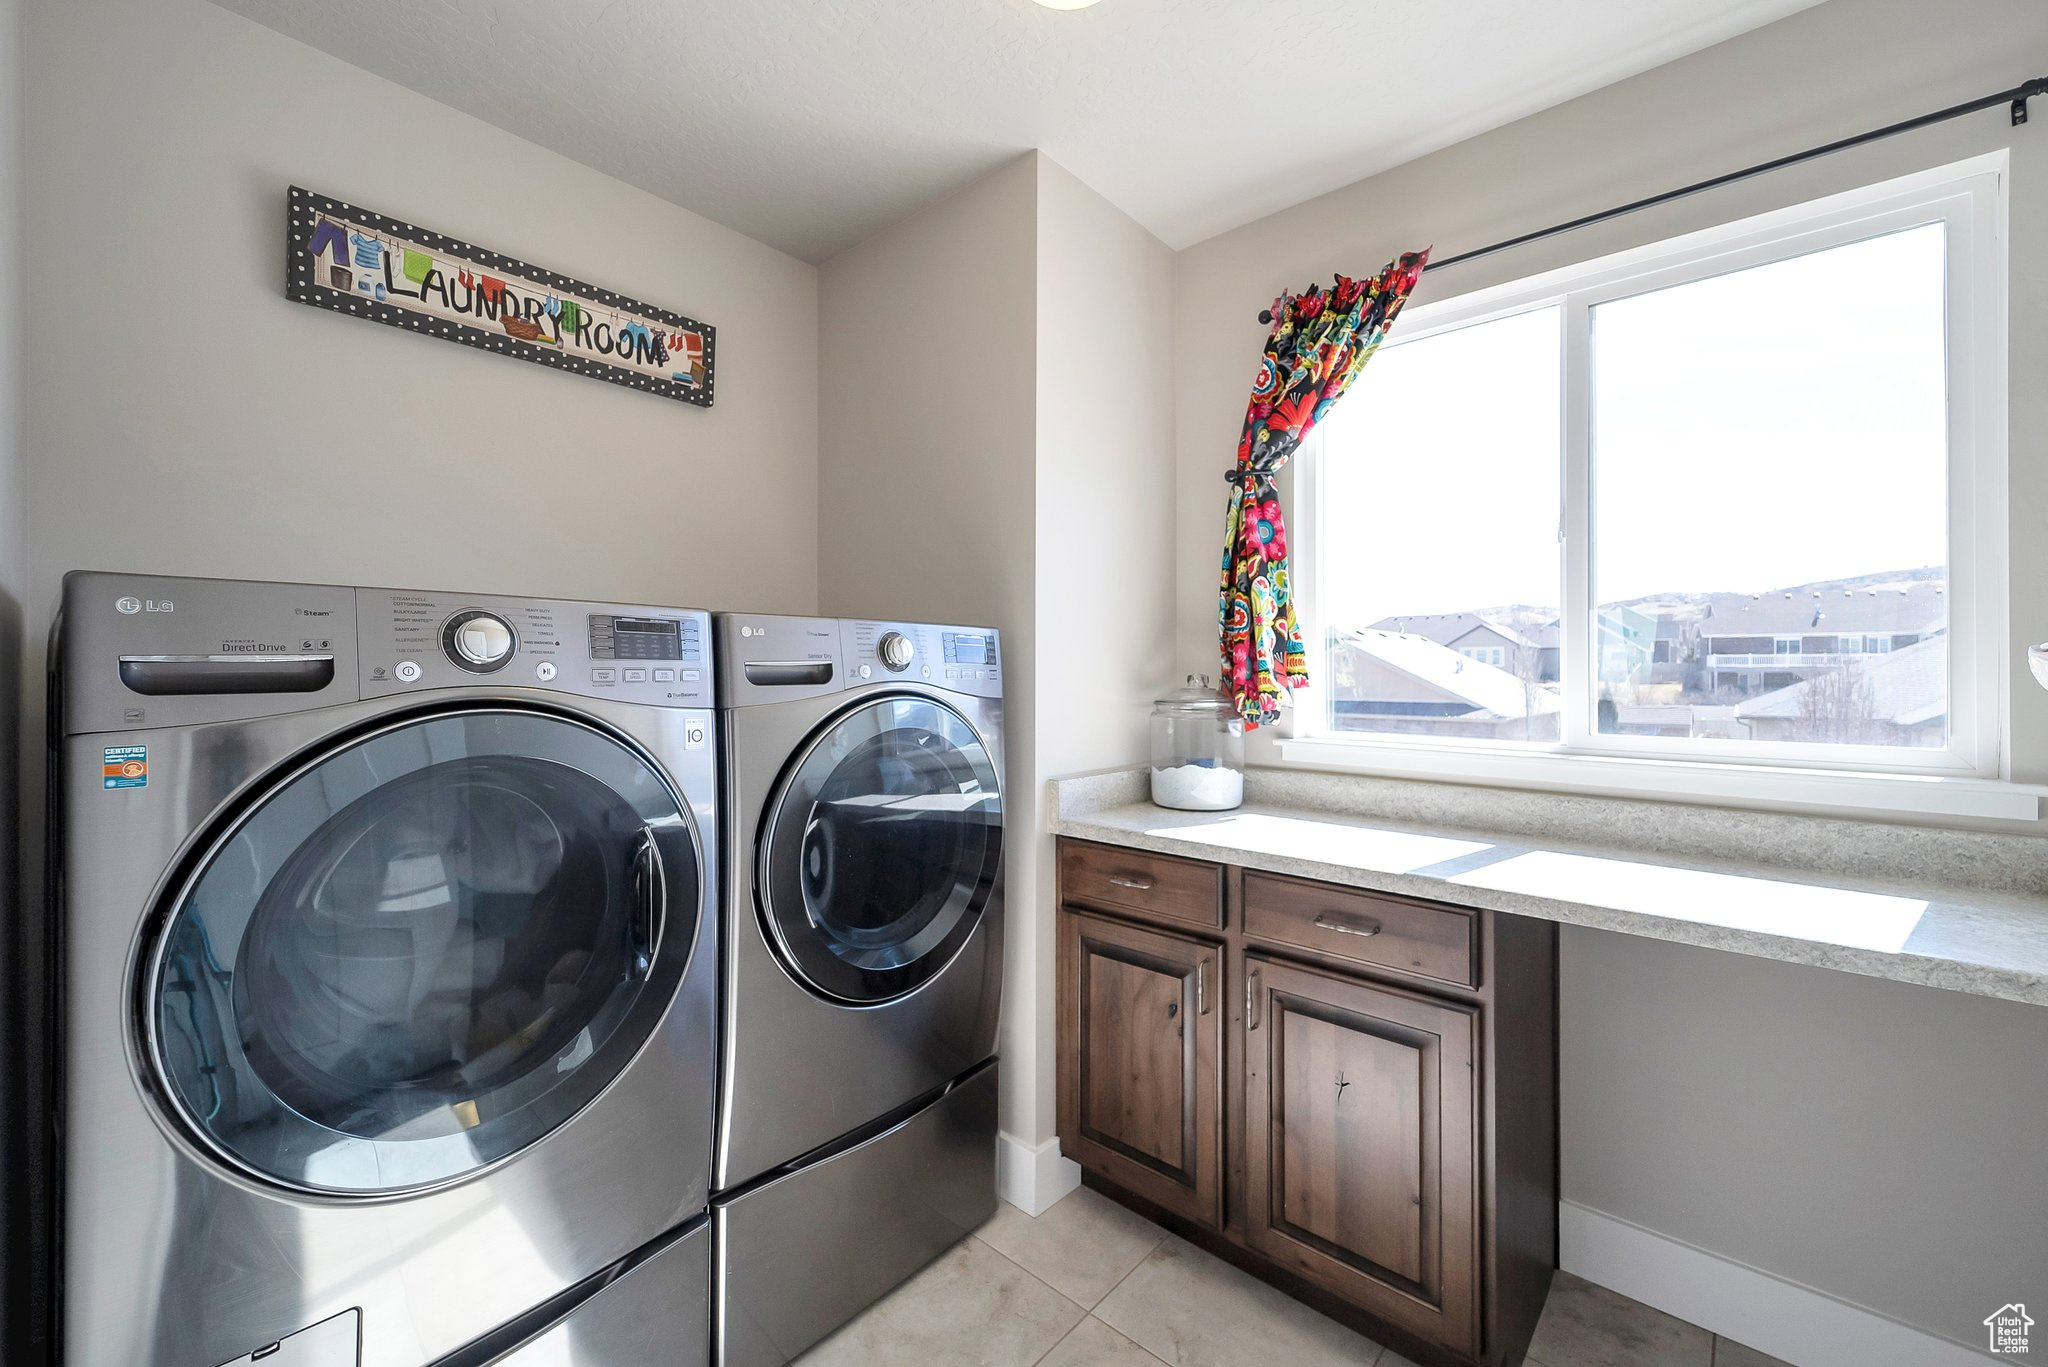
(1089, 1284)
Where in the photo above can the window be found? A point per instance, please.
(1430, 536)
(1735, 497)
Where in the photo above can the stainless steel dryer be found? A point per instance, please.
(863, 965)
(390, 947)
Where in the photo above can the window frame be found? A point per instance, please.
(1967, 776)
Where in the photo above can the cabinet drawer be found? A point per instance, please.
(1417, 938)
(1154, 885)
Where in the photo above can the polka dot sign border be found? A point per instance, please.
(302, 283)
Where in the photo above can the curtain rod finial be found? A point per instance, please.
(2037, 86)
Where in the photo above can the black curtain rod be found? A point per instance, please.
(2016, 98)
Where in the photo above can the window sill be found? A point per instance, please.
(1738, 785)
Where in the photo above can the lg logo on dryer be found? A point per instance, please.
(130, 606)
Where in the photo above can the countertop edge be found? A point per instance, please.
(1969, 976)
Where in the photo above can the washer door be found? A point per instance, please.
(880, 849)
(423, 951)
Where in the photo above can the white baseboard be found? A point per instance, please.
(1805, 1327)
(1032, 1177)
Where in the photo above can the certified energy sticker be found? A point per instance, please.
(127, 766)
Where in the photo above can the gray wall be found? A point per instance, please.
(20, 937)
(1858, 1137)
(1878, 1141)
(1104, 558)
(186, 418)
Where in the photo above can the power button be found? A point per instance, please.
(408, 671)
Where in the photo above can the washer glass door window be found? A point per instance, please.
(880, 850)
(424, 951)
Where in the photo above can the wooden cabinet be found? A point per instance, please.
(1364, 1114)
(1141, 1087)
(1398, 934)
(1154, 886)
(1361, 1144)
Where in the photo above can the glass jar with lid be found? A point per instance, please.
(1197, 749)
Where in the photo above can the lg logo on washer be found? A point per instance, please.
(130, 606)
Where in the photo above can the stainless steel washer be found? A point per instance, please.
(863, 964)
(389, 988)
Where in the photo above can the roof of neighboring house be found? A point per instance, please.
(1447, 627)
(1914, 607)
(1907, 686)
(1437, 666)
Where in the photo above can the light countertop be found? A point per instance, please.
(1987, 936)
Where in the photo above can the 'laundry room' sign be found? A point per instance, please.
(346, 258)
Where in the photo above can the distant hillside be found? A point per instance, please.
(1526, 618)
(1882, 579)
(1521, 616)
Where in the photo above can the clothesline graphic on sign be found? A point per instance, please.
(356, 250)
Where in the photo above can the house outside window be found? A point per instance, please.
(1729, 499)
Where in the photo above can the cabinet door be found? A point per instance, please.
(1141, 1083)
(1361, 1144)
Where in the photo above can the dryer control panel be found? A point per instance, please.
(413, 641)
(765, 659)
(962, 659)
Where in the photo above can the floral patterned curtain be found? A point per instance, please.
(1319, 342)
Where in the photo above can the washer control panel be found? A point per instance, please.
(413, 642)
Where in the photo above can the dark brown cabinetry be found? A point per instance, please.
(1360, 1133)
(1143, 1093)
(1350, 1094)
(1151, 886)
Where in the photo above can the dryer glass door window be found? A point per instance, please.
(881, 849)
(423, 951)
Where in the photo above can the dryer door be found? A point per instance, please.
(423, 951)
(881, 849)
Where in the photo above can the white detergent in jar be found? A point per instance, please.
(1198, 787)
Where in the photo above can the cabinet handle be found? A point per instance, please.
(1134, 884)
(1251, 1000)
(1201, 987)
(1327, 922)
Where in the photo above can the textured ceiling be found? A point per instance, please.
(810, 123)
